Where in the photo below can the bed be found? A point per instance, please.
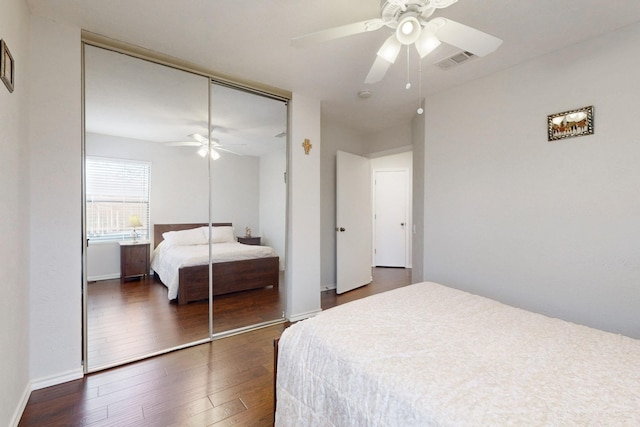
(181, 263)
(427, 354)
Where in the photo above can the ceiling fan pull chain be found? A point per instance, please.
(408, 85)
(420, 109)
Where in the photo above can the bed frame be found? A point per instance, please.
(228, 277)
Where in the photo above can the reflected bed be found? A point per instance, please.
(184, 268)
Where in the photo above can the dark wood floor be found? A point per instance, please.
(132, 319)
(226, 382)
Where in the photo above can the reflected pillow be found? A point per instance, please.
(222, 234)
(192, 236)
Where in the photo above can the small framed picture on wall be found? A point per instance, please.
(7, 68)
(571, 123)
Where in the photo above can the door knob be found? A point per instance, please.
(402, 224)
(340, 229)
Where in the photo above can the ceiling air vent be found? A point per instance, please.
(455, 60)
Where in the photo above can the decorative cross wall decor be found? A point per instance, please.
(307, 146)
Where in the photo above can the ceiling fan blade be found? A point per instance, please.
(466, 38)
(399, 3)
(221, 148)
(216, 145)
(427, 43)
(441, 4)
(221, 129)
(201, 139)
(183, 144)
(378, 70)
(337, 32)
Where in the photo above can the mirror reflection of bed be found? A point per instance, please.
(181, 261)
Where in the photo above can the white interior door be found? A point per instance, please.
(390, 218)
(353, 221)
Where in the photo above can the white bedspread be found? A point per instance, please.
(167, 260)
(428, 355)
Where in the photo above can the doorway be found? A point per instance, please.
(355, 207)
(390, 221)
(392, 229)
(353, 221)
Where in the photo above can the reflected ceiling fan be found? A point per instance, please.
(409, 21)
(202, 142)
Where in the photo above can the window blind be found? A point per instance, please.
(116, 191)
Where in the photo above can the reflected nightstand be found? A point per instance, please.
(134, 259)
(249, 240)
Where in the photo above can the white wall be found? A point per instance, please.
(549, 226)
(391, 138)
(236, 191)
(417, 247)
(14, 210)
(180, 192)
(273, 202)
(56, 232)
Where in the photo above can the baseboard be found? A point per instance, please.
(17, 414)
(74, 374)
(302, 316)
(103, 277)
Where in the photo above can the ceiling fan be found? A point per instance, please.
(409, 21)
(202, 142)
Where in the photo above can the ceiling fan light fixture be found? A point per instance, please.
(408, 29)
(390, 49)
(427, 43)
(202, 152)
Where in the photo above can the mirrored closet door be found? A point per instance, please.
(185, 210)
(248, 190)
(144, 184)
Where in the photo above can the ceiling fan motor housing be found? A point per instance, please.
(394, 11)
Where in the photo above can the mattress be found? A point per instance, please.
(168, 259)
(428, 355)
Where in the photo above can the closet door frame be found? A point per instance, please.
(91, 39)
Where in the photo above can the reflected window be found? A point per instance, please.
(117, 193)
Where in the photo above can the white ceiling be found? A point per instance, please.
(250, 39)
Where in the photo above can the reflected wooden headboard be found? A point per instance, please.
(158, 229)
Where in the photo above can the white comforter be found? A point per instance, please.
(167, 260)
(430, 355)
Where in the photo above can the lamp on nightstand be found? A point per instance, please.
(134, 222)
